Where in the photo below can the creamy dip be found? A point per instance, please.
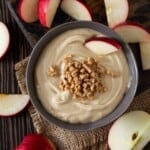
(60, 103)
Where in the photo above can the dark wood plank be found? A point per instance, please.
(12, 129)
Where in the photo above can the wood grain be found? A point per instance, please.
(12, 129)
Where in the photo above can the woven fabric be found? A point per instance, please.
(69, 140)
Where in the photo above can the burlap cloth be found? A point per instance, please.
(69, 140)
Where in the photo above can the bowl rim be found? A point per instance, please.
(120, 108)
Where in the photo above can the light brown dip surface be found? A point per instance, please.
(60, 103)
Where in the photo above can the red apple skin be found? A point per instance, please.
(105, 39)
(19, 10)
(34, 142)
(35, 18)
(127, 24)
(11, 115)
(132, 24)
(42, 11)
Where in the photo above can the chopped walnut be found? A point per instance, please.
(53, 71)
(84, 78)
(67, 58)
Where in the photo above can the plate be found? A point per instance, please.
(139, 12)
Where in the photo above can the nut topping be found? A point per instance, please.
(53, 71)
(82, 78)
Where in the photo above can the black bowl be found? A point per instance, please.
(122, 106)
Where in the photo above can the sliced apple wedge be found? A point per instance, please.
(36, 142)
(46, 11)
(12, 104)
(145, 54)
(4, 39)
(132, 32)
(102, 45)
(116, 11)
(27, 10)
(76, 9)
(132, 130)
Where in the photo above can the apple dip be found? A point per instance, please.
(78, 85)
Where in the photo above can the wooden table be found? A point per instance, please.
(12, 129)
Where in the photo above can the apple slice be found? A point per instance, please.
(27, 10)
(4, 39)
(12, 104)
(145, 54)
(116, 11)
(102, 45)
(132, 32)
(46, 11)
(76, 9)
(130, 132)
(36, 142)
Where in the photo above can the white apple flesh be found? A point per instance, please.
(76, 9)
(130, 132)
(132, 32)
(27, 10)
(4, 39)
(46, 11)
(12, 104)
(145, 55)
(102, 45)
(116, 11)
